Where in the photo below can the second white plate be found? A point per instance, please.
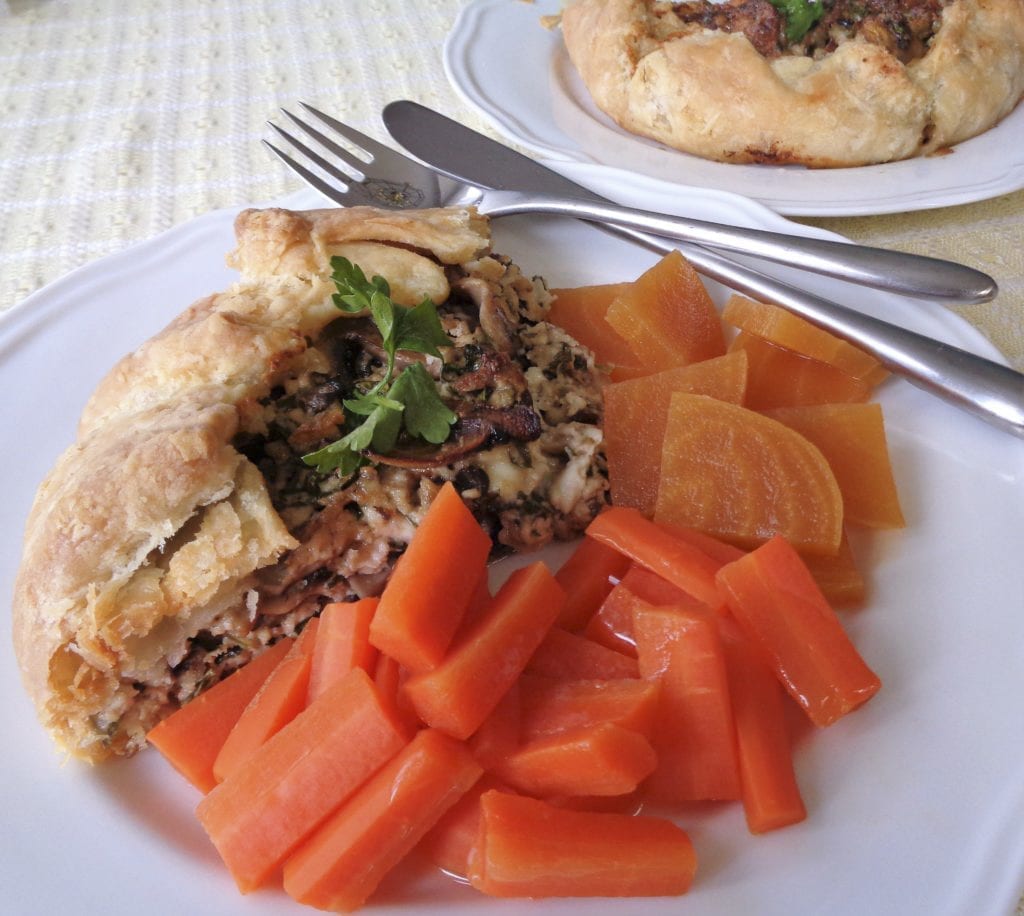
(517, 74)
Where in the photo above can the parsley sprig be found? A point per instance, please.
(800, 16)
(409, 402)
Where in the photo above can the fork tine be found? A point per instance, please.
(350, 161)
(383, 177)
(345, 174)
(369, 145)
(329, 191)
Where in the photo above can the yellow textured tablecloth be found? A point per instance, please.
(121, 119)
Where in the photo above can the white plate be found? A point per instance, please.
(518, 75)
(916, 801)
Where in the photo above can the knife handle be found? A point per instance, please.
(988, 390)
(893, 271)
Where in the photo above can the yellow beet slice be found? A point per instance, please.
(636, 413)
(838, 577)
(744, 477)
(852, 439)
(581, 312)
(668, 317)
(778, 377)
(785, 329)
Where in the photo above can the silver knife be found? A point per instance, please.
(466, 157)
(993, 392)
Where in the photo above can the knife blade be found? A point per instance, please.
(983, 387)
(514, 186)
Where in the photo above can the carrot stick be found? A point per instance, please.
(592, 760)
(342, 643)
(294, 781)
(654, 548)
(587, 577)
(612, 625)
(340, 865)
(191, 737)
(529, 848)
(432, 584)
(771, 796)
(451, 841)
(388, 677)
(478, 603)
(566, 656)
(712, 546)
(461, 691)
(693, 734)
(548, 706)
(776, 601)
(281, 698)
(498, 734)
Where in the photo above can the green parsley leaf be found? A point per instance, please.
(355, 292)
(366, 404)
(800, 16)
(419, 329)
(408, 402)
(338, 456)
(426, 415)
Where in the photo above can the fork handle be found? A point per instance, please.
(894, 271)
(988, 390)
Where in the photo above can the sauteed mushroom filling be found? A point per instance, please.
(525, 451)
(903, 27)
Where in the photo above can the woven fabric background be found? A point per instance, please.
(119, 120)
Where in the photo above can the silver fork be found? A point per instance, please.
(363, 172)
(895, 271)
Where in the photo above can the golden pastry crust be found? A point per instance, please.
(712, 94)
(152, 526)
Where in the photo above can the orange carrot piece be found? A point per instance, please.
(568, 656)
(591, 760)
(529, 848)
(342, 643)
(654, 548)
(771, 796)
(451, 841)
(498, 735)
(478, 603)
(693, 734)
(388, 677)
(281, 698)
(461, 691)
(432, 584)
(587, 577)
(548, 706)
(775, 599)
(340, 865)
(191, 737)
(612, 625)
(709, 544)
(258, 815)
